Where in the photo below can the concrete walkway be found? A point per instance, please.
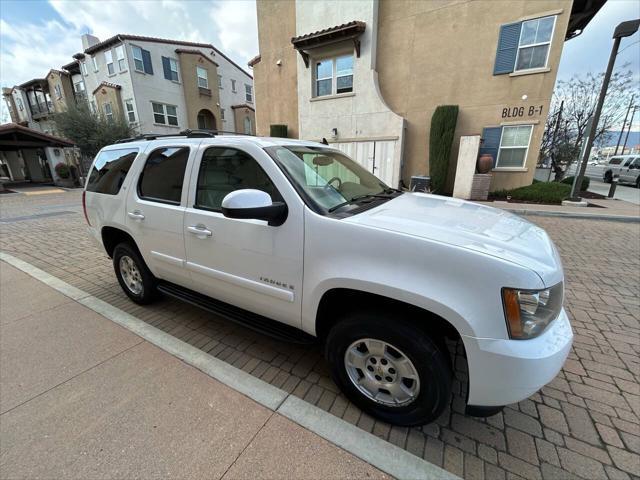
(82, 397)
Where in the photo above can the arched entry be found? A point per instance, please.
(206, 120)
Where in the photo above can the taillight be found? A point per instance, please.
(84, 206)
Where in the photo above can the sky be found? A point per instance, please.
(36, 35)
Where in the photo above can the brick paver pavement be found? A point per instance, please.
(585, 424)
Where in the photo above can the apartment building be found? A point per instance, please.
(367, 76)
(157, 85)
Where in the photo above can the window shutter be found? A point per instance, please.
(507, 48)
(166, 67)
(491, 142)
(146, 61)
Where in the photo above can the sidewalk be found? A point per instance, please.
(82, 397)
(609, 210)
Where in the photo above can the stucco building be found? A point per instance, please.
(157, 85)
(367, 76)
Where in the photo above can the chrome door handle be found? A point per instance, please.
(200, 231)
(136, 215)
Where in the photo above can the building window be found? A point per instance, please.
(131, 114)
(142, 60)
(58, 91)
(170, 67)
(334, 76)
(122, 65)
(79, 87)
(248, 93)
(20, 104)
(93, 107)
(514, 145)
(203, 78)
(220, 82)
(222, 113)
(247, 125)
(233, 86)
(108, 59)
(535, 40)
(165, 114)
(95, 63)
(108, 111)
(83, 67)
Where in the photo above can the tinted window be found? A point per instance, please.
(626, 164)
(163, 175)
(615, 161)
(110, 169)
(224, 170)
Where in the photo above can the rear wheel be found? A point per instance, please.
(389, 368)
(133, 275)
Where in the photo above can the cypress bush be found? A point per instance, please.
(443, 126)
(278, 131)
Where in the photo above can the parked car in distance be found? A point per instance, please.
(626, 168)
(295, 239)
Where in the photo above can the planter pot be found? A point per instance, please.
(485, 163)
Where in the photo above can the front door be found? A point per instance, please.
(246, 263)
(155, 212)
(629, 172)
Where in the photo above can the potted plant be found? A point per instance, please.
(64, 173)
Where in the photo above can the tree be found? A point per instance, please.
(443, 126)
(579, 96)
(90, 131)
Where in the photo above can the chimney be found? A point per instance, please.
(88, 41)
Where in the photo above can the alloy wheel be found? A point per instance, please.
(131, 274)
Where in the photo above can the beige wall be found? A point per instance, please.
(239, 115)
(442, 52)
(197, 99)
(107, 94)
(276, 86)
(57, 78)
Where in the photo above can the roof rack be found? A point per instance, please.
(189, 133)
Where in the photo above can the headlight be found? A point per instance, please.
(528, 312)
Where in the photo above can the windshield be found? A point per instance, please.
(326, 176)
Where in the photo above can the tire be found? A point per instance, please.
(134, 277)
(608, 177)
(431, 394)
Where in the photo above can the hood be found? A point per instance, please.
(468, 225)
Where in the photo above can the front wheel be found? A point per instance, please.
(134, 277)
(389, 368)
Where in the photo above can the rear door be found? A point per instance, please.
(155, 210)
(246, 263)
(628, 173)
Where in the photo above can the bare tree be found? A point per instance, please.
(579, 96)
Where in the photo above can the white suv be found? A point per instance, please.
(296, 240)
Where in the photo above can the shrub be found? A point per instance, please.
(278, 131)
(62, 170)
(443, 126)
(541, 192)
(585, 182)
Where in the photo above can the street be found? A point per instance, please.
(585, 423)
(625, 192)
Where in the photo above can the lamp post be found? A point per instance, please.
(633, 114)
(625, 29)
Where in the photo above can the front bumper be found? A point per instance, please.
(508, 371)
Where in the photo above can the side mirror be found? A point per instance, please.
(254, 204)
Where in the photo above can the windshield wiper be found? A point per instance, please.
(383, 194)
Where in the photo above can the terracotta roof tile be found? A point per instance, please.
(106, 84)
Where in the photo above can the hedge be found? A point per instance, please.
(443, 126)
(585, 182)
(542, 192)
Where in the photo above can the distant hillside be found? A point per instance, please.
(612, 139)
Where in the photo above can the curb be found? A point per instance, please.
(584, 216)
(381, 454)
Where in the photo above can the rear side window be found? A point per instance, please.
(615, 161)
(110, 169)
(627, 163)
(163, 175)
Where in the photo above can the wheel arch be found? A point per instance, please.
(112, 236)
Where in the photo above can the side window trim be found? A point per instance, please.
(185, 179)
(197, 170)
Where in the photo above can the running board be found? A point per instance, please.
(245, 318)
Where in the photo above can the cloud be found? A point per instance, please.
(29, 49)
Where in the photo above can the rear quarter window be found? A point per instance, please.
(110, 170)
(615, 161)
